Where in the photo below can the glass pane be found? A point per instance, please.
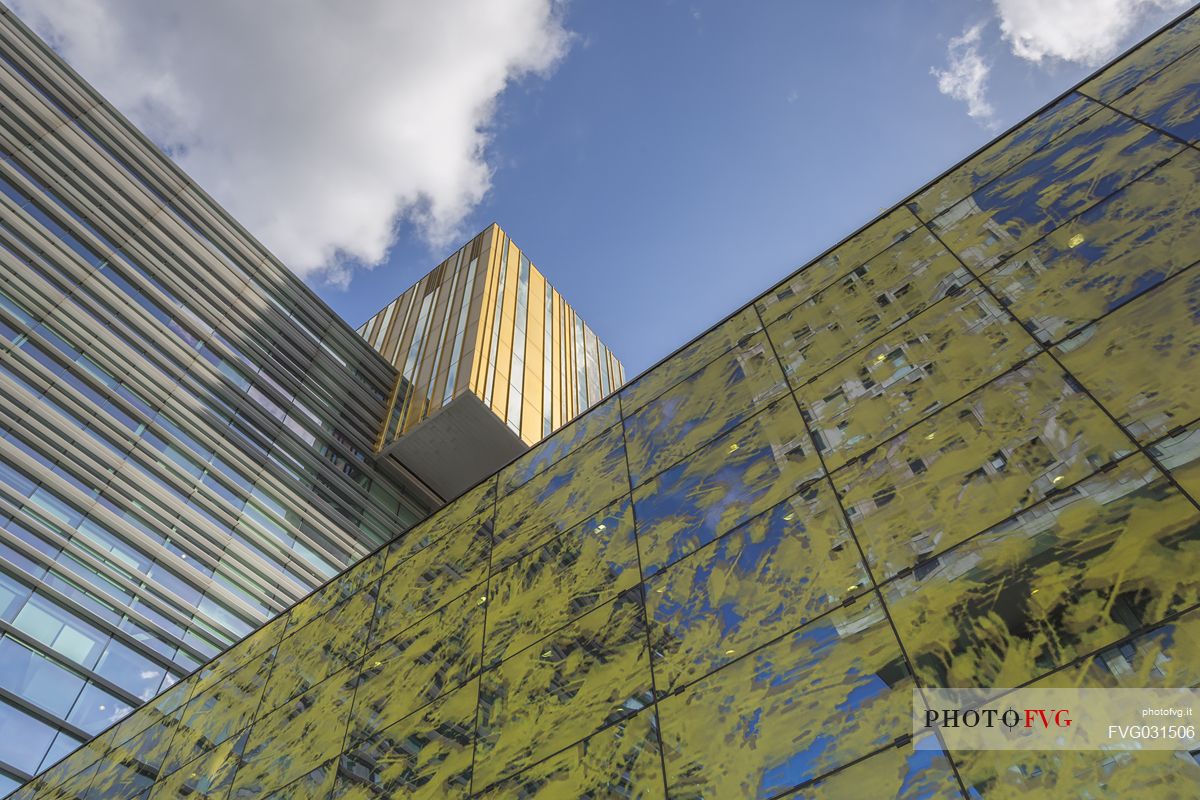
(1108, 255)
(1140, 360)
(1143, 62)
(911, 372)
(132, 671)
(1062, 579)
(854, 252)
(883, 293)
(213, 716)
(1092, 160)
(601, 657)
(61, 630)
(558, 498)
(316, 783)
(781, 569)
(433, 577)
(36, 678)
(621, 761)
(207, 776)
(743, 473)
(899, 772)
(134, 765)
(1002, 155)
(702, 406)
(335, 591)
(1012, 443)
(694, 356)
(428, 659)
(428, 754)
(24, 740)
(1180, 455)
(295, 738)
(1170, 100)
(96, 709)
(560, 581)
(308, 656)
(564, 442)
(834, 691)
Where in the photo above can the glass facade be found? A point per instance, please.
(186, 431)
(487, 321)
(959, 449)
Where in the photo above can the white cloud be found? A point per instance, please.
(319, 125)
(966, 73)
(1083, 31)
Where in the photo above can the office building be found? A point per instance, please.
(186, 431)
(961, 448)
(496, 359)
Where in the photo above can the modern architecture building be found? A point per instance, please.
(496, 359)
(186, 432)
(961, 448)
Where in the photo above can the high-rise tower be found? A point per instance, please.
(186, 432)
(496, 358)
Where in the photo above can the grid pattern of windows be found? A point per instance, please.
(962, 448)
(185, 429)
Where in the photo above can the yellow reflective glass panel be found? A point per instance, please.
(1180, 455)
(133, 766)
(157, 710)
(418, 665)
(1130, 70)
(1108, 255)
(911, 372)
(432, 577)
(558, 498)
(741, 474)
(213, 716)
(834, 691)
(560, 444)
(1000, 156)
(883, 293)
(702, 406)
(623, 760)
(1078, 774)
(1091, 161)
(781, 569)
(593, 672)
(447, 520)
(901, 773)
(336, 591)
(1003, 448)
(425, 755)
(1087, 567)
(1140, 361)
(245, 651)
(859, 248)
(296, 737)
(208, 776)
(1170, 100)
(663, 376)
(316, 784)
(560, 581)
(320, 649)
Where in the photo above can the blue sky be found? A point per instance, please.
(662, 161)
(684, 156)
